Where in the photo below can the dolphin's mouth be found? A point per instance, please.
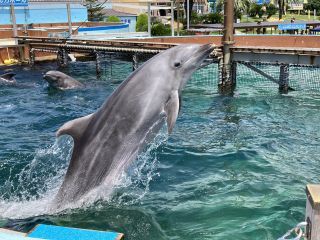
(202, 54)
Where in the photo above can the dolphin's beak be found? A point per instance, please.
(206, 49)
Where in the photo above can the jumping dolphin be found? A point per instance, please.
(61, 81)
(108, 140)
(8, 78)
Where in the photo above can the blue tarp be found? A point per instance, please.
(292, 26)
(262, 2)
(15, 2)
(5, 236)
(51, 232)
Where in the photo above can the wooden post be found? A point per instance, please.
(313, 212)
(98, 64)
(284, 78)
(135, 61)
(31, 57)
(227, 85)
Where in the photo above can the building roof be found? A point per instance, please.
(111, 12)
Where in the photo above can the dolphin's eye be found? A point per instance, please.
(177, 64)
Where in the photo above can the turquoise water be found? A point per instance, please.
(233, 168)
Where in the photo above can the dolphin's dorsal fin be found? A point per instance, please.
(8, 76)
(172, 110)
(75, 127)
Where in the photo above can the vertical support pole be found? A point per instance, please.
(62, 57)
(21, 53)
(234, 74)
(227, 86)
(188, 14)
(284, 78)
(172, 19)
(313, 212)
(220, 70)
(31, 57)
(69, 19)
(149, 19)
(178, 17)
(14, 22)
(135, 61)
(65, 57)
(98, 63)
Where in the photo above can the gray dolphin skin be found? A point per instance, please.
(107, 141)
(8, 78)
(59, 80)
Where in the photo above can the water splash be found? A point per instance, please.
(31, 191)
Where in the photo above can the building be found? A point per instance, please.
(129, 18)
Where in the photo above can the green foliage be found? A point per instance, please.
(195, 18)
(255, 9)
(271, 10)
(237, 14)
(212, 18)
(313, 4)
(159, 29)
(240, 6)
(113, 19)
(94, 10)
(142, 23)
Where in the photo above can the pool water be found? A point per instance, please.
(233, 168)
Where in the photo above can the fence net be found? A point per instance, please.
(251, 77)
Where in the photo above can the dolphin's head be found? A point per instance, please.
(54, 78)
(178, 63)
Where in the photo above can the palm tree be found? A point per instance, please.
(240, 6)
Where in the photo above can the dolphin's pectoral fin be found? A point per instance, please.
(76, 127)
(172, 110)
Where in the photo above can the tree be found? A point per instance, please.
(271, 10)
(113, 19)
(282, 7)
(240, 6)
(159, 29)
(313, 4)
(142, 23)
(94, 10)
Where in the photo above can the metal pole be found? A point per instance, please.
(149, 19)
(69, 19)
(227, 85)
(14, 23)
(172, 19)
(188, 14)
(178, 17)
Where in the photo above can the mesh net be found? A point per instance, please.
(251, 77)
(301, 78)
